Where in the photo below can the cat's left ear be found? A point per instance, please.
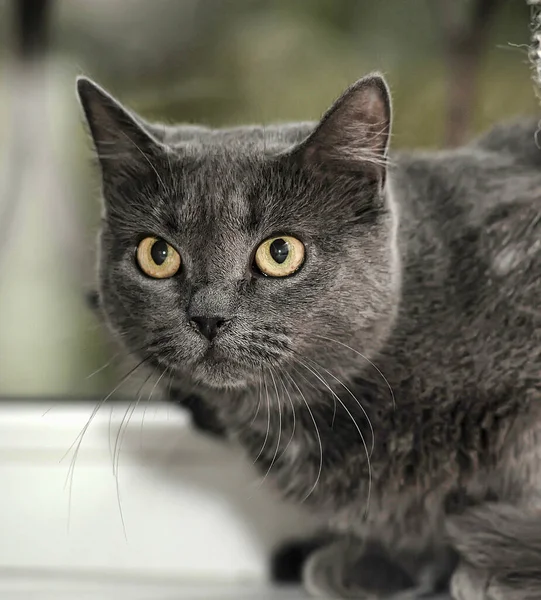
(353, 134)
(120, 139)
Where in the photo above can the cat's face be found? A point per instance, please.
(227, 256)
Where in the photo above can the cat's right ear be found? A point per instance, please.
(353, 134)
(120, 139)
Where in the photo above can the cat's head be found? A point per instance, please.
(225, 254)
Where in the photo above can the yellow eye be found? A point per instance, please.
(280, 256)
(157, 258)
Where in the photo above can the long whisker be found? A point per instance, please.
(79, 439)
(115, 470)
(294, 418)
(314, 387)
(103, 367)
(317, 365)
(367, 360)
(147, 403)
(145, 410)
(149, 399)
(311, 490)
(279, 429)
(258, 406)
(123, 380)
(120, 439)
(324, 382)
(125, 418)
(268, 421)
(114, 358)
(112, 452)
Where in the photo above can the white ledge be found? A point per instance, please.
(179, 507)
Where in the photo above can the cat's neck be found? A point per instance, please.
(296, 424)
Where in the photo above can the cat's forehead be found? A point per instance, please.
(228, 191)
(221, 182)
(220, 205)
(221, 193)
(250, 137)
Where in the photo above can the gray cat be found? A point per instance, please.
(367, 326)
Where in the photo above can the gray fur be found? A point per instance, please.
(423, 276)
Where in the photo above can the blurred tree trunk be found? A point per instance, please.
(535, 52)
(32, 24)
(465, 26)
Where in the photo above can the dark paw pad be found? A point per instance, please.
(378, 574)
(204, 418)
(288, 560)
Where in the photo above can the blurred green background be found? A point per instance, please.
(219, 62)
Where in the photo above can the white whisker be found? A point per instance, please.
(120, 438)
(354, 423)
(258, 406)
(354, 398)
(367, 360)
(279, 429)
(294, 418)
(103, 367)
(76, 445)
(268, 421)
(311, 490)
(146, 407)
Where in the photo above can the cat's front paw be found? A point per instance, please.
(474, 583)
(288, 560)
(350, 569)
(469, 583)
(204, 417)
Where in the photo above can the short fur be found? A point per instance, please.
(392, 385)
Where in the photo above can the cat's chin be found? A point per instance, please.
(223, 375)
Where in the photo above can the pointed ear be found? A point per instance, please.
(120, 139)
(353, 135)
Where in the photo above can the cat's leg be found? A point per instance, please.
(473, 583)
(500, 547)
(349, 568)
(204, 417)
(469, 583)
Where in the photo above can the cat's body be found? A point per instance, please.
(470, 233)
(413, 397)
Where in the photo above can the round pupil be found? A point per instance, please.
(279, 250)
(159, 252)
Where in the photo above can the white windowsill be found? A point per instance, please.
(193, 509)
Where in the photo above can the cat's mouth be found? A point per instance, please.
(214, 365)
(217, 369)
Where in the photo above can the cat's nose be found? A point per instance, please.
(208, 326)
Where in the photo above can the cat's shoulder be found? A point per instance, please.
(500, 167)
(508, 144)
(482, 202)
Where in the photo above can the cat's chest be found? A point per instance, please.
(343, 463)
(316, 457)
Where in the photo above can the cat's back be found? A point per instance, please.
(484, 198)
(502, 167)
(470, 240)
